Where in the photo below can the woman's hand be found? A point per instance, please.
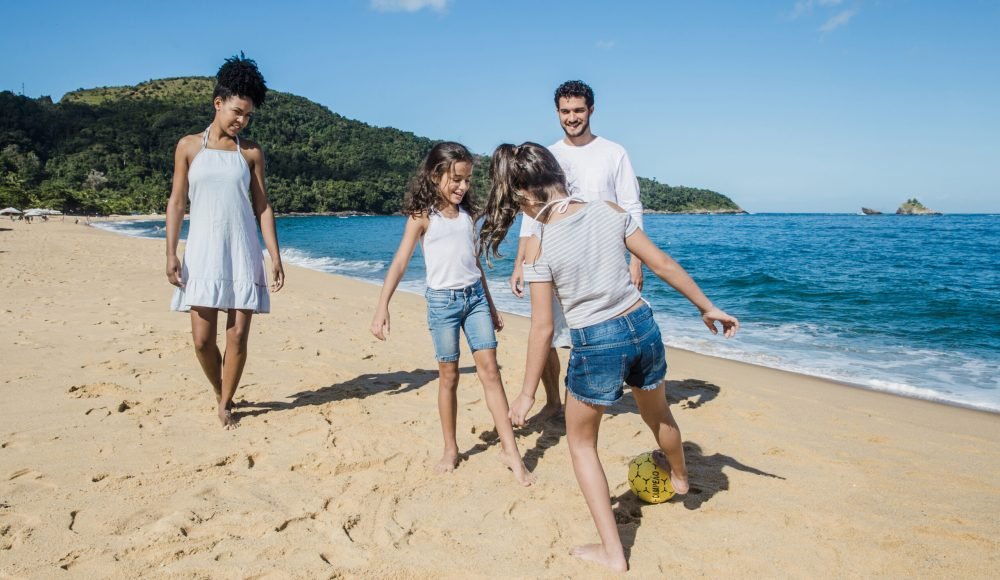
(519, 409)
(277, 275)
(174, 271)
(380, 324)
(729, 323)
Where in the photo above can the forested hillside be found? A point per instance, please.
(110, 150)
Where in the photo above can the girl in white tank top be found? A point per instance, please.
(440, 218)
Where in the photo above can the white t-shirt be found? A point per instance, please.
(599, 170)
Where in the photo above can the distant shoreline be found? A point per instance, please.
(160, 216)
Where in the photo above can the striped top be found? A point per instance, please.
(584, 256)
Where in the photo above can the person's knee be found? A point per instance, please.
(489, 374)
(582, 448)
(204, 342)
(448, 377)
(237, 337)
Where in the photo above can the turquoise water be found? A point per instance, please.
(909, 305)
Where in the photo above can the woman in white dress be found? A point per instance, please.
(223, 177)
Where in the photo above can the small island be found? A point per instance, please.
(870, 211)
(914, 207)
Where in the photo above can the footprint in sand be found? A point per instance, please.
(22, 473)
(13, 535)
(94, 390)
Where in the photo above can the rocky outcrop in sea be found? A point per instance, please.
(914, 207)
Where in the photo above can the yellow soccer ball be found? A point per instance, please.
(648, 480)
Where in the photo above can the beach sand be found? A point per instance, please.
(112, 462)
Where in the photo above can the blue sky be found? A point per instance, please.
(786, 105)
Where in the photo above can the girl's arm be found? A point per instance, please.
(539, 344)
(415, 228)
(175, 210)
(672, 273)
(494, 313)
(265, 214)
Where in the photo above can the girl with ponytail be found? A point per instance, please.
(581, 260)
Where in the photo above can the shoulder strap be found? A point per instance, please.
(560, 205)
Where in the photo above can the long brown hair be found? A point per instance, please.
(527, 167)
(422, 195)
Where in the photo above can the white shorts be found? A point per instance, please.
(560, 329)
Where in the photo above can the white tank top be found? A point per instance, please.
(449, 252)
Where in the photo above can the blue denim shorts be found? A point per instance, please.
(451, 310)
(627, 350)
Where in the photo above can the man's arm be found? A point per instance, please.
(627, 189)
(627, 196)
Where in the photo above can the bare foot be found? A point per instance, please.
(228, 420)
(515, 464)
(547, 412)
(448, 461)
(596, 553)
(678, 482)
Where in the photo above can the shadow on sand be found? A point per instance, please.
(707, 479)
(360, 387)
(686, 394)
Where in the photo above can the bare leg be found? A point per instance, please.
(448, 410)
(656, 413)
(550, 381)
(204, 325)
(496, 402)
(237, 335)
(582, 424)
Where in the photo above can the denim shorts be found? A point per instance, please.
(627, 350)
(451, 310)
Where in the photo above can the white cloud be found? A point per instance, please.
(605, 44)
(804, 6)
(408, 5)
(838, 20)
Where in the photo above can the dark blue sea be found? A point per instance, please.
(904, 304)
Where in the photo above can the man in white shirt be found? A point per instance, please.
(596, 169)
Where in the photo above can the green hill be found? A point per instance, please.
(110, 150)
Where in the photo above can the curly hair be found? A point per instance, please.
(514, 169)
(575, 89)
(239, 77)
(422, 195)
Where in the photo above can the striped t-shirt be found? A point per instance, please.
(584, 257)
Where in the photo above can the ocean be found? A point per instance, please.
(904, 304)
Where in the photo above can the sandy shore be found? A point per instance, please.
(112, 463)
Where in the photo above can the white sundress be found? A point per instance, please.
(223, 263)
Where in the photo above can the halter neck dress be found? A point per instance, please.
(223, 263)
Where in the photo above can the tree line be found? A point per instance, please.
(110, 150)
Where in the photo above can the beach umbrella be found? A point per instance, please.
(8, 210)
(34, 212)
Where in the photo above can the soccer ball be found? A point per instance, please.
(648, 480)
